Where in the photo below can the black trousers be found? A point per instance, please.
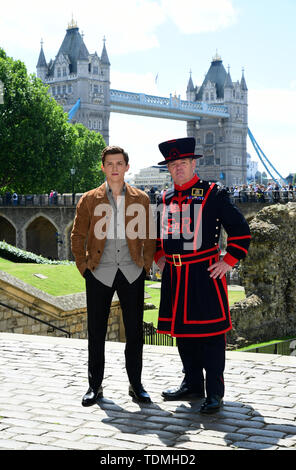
(203, 353)
(99, 298)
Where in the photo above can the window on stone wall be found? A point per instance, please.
(237, 138)
(209, 138)
(217, 161)
(96, 70)
(96, 89)
(201, 161)
(69, 88)
(59, 72)
(236, 160)
(209, 160)
(64, 72)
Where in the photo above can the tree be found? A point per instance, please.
(86, 159)
(36, 140)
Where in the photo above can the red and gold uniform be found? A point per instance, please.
(194, 306)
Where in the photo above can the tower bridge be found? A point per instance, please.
(216, 112)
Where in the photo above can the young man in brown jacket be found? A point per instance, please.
(118, 253)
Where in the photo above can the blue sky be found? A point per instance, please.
(168, 38)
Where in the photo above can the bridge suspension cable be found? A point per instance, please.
(264, 160)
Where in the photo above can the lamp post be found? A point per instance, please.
(1, 92)
(73, 171)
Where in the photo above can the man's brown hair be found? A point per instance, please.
(112, 150)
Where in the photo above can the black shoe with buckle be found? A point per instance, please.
(211, 405)
(139, 394)
(92, 396)
(181, 393)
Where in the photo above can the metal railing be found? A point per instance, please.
(40, 200)
(273, 197)
(36, 318)
(269, 197)
(158, 339)
(170, 106)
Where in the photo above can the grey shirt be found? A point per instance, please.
(116, 253)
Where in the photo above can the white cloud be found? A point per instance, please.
(128, 26)
(199, 16)
(272, 122)
(137, 83)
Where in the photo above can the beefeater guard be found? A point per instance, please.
(194, 305)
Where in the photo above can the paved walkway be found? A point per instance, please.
(42, 380)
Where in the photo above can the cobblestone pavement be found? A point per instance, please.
(42, 381)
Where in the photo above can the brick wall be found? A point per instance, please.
(68, 312)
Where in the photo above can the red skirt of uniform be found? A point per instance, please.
(192, 303)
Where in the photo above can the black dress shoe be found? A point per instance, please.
(181, 393)
(91, 396)
(139, 394)
(211, 405)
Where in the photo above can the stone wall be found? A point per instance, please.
(67, 312)
(268, 275)
(34, 228)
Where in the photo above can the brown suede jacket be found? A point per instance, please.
(90, 227)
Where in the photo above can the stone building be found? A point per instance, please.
(222, 142)
(74, 74)
(153, 177)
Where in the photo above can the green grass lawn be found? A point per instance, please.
(61, 279)
(66, 279)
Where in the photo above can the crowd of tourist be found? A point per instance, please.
(271, 192)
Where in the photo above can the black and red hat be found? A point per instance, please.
(177, 149)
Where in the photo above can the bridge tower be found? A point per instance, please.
(74, 74)
(223, 142)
